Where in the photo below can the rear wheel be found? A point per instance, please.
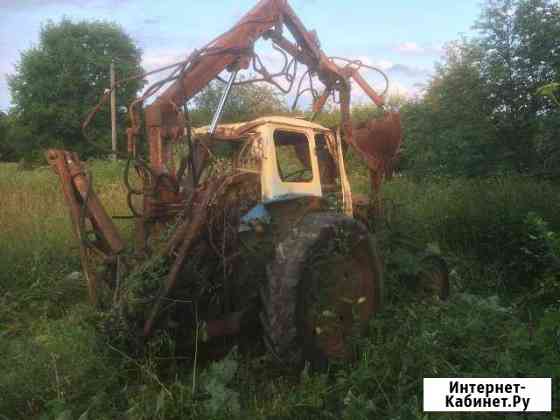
(322, 287)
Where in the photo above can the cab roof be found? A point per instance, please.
(238, 129)
(297, 122)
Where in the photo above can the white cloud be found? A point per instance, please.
(397, 70)
(395, 89)
(157, 58)
(413, 48)
(394, 69)
(399, 89)
(410, 47)
(381, 64)
(152, 21)
(404, 79)
(154, 59)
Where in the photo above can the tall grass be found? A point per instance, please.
(469, 215)
(48, 347)
(55, 364)
(34, 217)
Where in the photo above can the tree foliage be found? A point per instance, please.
(10, 131)
(482, 112)
(60, 79)
(519, 40)
(449, 130)
(3, 134)
(551, 91)
(245, 102)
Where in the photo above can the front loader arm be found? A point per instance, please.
(233, 51)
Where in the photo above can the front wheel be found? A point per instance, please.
(322, 287)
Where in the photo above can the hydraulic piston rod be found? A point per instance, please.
(222, 103)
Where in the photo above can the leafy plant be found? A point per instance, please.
(551, 91)
(214, 382)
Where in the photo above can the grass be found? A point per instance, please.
(34, 213)
(56, 365)
(37, 243)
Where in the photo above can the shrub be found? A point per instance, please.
(484, 220)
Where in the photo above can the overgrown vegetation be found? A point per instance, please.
(499, 235)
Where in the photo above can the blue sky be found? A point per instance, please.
(403, 37)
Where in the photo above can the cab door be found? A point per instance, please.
(290, 166)
(334, 182)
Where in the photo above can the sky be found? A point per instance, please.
(402, 37)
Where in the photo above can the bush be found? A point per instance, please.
(480, 220)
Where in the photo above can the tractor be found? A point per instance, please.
(255, 223)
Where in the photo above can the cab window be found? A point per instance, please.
(292, 156)
(327, 164)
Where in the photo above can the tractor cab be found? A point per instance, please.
(291, 157)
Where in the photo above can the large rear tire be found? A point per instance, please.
(322, 287)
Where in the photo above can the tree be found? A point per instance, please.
(482, 113)
(59, 80)
(449, 131)
(4, 127)
(245, 102)
(519, 44)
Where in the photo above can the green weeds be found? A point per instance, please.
(499, 236)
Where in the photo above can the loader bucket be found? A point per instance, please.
(378, 142)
